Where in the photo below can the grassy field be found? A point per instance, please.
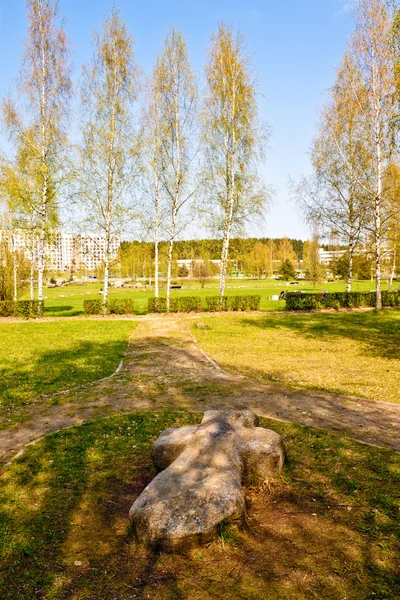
(41, 358)
(326, 529)
(68, 301)
(356, 354)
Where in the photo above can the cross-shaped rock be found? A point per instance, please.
(200, 485)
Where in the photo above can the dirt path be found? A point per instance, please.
(164, 367)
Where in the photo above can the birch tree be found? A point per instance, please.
(337, 196)
(372, 50)
(176, 86)
(232, 138)
(40, 123)
(108, 152)
(153, 133)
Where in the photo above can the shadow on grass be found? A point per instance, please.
(379, 333)
(327, 528)
(57, 309)
(54, 370)
(62, 311)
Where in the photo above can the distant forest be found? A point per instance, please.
(197, 249)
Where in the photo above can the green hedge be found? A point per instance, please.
(93, 307)
(120, 307)
(157, 305)
(183, 304)
(189, 304)
(29, 309)
(115, 306)
(235, 303)
(338, 300)
(213, 304)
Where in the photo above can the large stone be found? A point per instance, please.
(200, 485)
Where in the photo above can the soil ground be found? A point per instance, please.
(164, 367)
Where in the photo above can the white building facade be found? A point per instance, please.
(63, 251)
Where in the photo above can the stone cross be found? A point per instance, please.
(203, 468)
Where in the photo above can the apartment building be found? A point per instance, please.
(63, 251)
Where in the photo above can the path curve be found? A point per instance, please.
(164, 367)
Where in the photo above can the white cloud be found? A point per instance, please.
(346, 7)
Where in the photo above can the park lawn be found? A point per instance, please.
(356, 354)
(327, 528)
(44, 357)
(68, 301)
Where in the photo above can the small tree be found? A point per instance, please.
(287, 270)
(312, 264)
(285, 250)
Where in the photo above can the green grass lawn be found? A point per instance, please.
(356, 354)
(328, 528)
(68, 301)
(41, 358)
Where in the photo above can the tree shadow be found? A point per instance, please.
(327, 528)
(54, 370)
(58, 309)
(378, 333)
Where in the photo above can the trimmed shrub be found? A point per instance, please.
(157, 305)
(212, 303)
(391, 298)
(29, 309)
(190, 304)
(338, 300)
(93, 307)
(254, 302)
(7, 308)
(183, 304)
(128, 306)
(234, 303)
(115, 306)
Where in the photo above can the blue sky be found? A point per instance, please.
(297, 46)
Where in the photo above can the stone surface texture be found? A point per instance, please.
(203, 468)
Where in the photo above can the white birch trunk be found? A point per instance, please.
(105, 283)
(42, 236)
(156, 235)
(230, 197)
(43, 213)
(175, 199)
(350, 271)
(393, 271)
(379, 174)
(169, 272)
(31, 281)
(15, 271)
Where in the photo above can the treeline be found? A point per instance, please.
(198, 249)
(253, 257)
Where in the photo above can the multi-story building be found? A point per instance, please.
(63, 251)
(327, 256)
(90, 250)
